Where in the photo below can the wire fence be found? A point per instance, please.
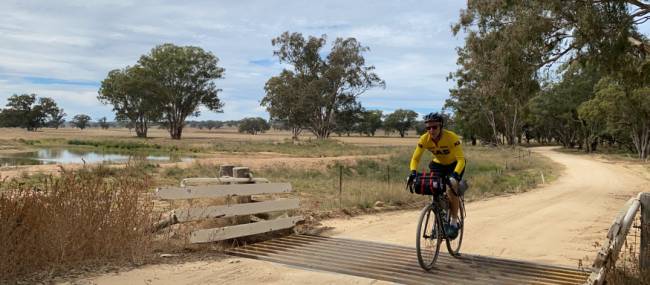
(628, 269)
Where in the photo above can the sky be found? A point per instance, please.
(64, 49)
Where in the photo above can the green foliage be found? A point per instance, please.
(623, 110)
(285, 103)
(509, 44)
(553, 112)
(23, 111)
(133, 96)
(370, 122)
(309, 95)
(209, 124)
(401, 121)
(347, 119)
(123, 145)
(184, 80)
(253, 126)
(80, 121)
(57, 118)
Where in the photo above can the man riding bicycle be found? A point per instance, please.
(448, 161)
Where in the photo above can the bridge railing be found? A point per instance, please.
(626, 253)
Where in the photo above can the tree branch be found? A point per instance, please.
(557, 56)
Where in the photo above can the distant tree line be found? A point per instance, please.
(31, 113)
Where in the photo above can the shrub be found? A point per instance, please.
(82, 217)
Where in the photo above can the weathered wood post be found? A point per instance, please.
(226, 170)
(644, 253)
(242, 172)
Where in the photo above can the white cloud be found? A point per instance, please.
(73, 40)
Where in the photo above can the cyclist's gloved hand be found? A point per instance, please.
(411, 178)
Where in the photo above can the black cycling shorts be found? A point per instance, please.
(446, 170)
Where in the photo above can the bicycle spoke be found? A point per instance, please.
(428, 238)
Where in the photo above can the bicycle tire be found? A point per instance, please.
(427, 247)
(452, 247)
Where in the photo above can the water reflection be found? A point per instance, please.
(63, 156)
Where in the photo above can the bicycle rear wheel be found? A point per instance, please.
(428, 239)
(453, 246)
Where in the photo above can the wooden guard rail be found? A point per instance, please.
(608, 254)
(243, 185)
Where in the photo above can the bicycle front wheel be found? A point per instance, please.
(453, 246)
(429, 238)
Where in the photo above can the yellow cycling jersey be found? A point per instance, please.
(445, 152)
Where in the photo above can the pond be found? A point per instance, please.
(64, 156)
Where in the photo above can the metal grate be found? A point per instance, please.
(399, 264)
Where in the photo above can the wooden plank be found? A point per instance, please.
(217, 234)
(215, 191)
(222, 180)
(193, 214)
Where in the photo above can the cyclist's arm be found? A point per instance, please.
(417, 153)
(457, 150)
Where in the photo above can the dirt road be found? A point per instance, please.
(556, 223)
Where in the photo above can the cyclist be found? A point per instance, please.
(448, 160)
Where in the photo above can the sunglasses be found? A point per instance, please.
(431, 127)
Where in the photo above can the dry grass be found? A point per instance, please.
(490, 172)
(79, 218)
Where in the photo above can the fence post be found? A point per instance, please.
(644, 252)
(340, 185)
(388, 174)
(242, 172)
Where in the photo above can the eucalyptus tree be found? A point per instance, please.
(510, 43)
(81, 121)
(370, 122)
(285, 102)
(315, 88)
(253, 126)
(29, 112)
(133, 97)
(401, 120)
(184, 80)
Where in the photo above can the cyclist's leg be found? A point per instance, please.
(454, 201)
(444, 171)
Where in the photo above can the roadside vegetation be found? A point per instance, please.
(81, 218)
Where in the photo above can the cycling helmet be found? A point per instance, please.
(434, 117)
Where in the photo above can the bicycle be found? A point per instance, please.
(430, 231)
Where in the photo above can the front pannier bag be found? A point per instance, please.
(427, 183)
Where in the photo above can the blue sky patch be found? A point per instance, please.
(56, 81)
(263, 62)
